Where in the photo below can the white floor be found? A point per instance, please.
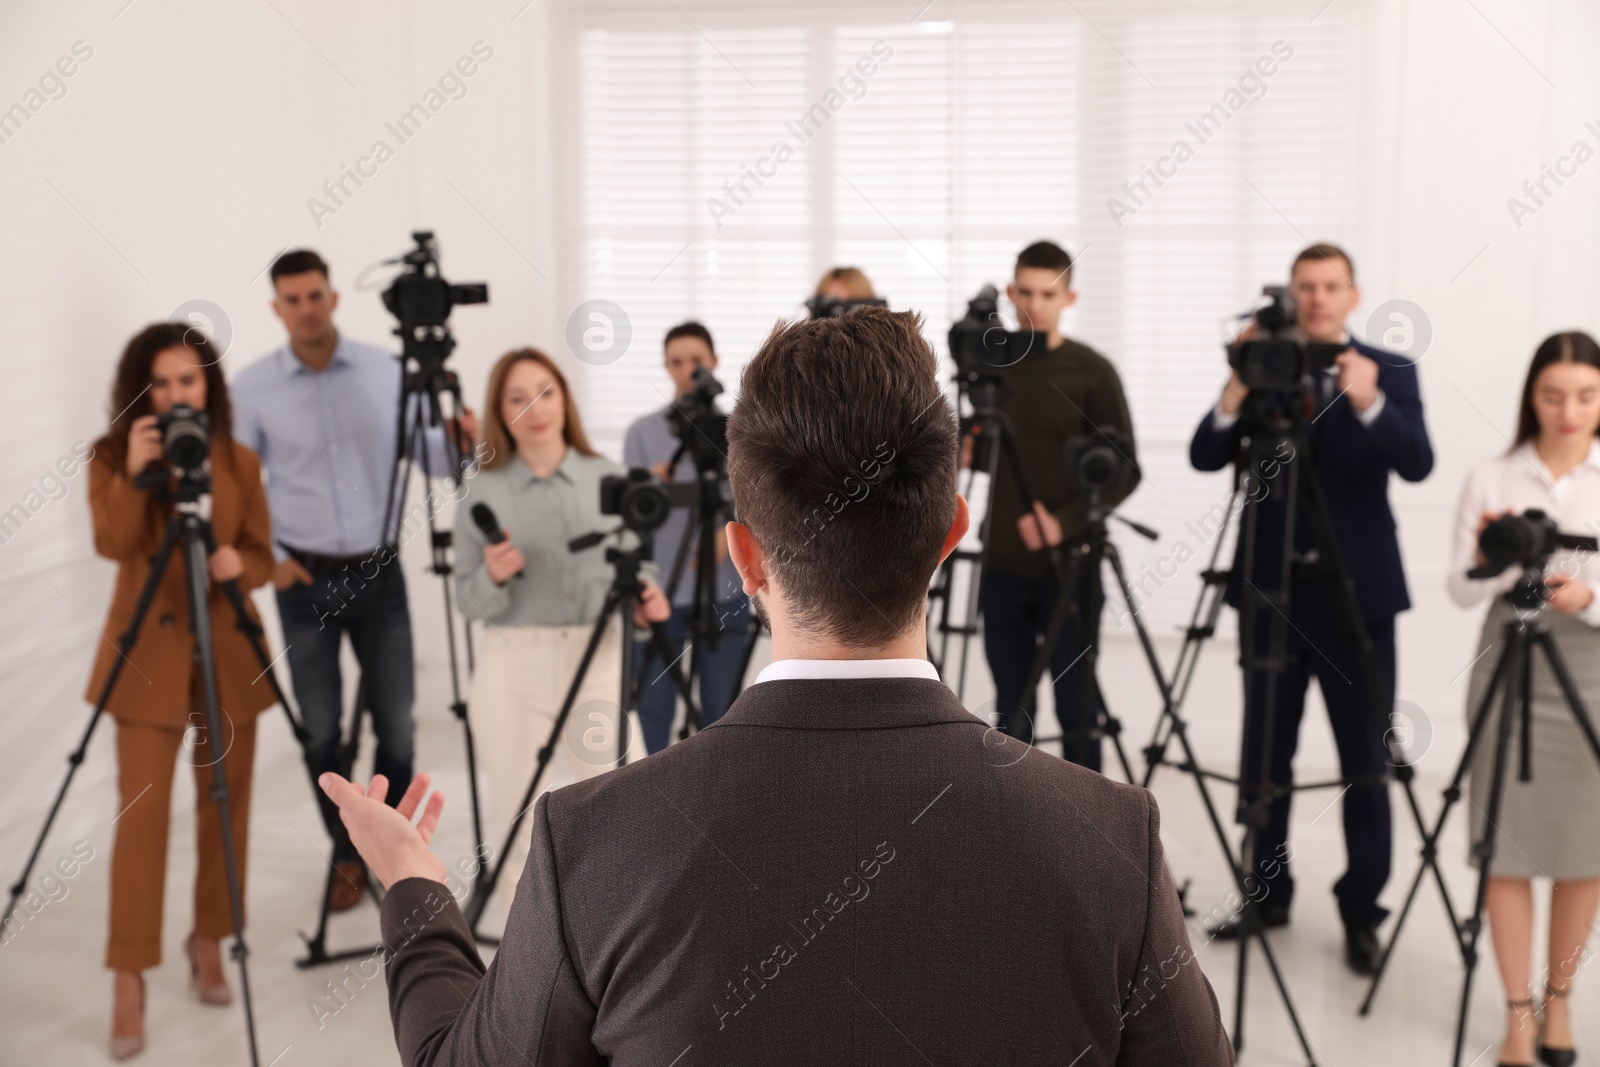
(55, 995)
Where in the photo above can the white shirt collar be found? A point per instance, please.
(784, 669)
(1530, 452)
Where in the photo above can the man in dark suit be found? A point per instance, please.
(1364, 419)
(847, 867)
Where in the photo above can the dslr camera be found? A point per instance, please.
(695, 421)
(185, 438)
(1278, 359)
(1097, 463)
(833, 307)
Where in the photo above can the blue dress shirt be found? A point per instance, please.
(327, 444)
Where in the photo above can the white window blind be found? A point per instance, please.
(990, 126)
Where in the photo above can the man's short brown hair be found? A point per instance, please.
(1324, 250)
(842, 461)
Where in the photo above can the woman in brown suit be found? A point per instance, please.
(157, 700)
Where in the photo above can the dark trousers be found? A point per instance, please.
(1317, 648)
(316, 618)
(1016, 612)
(718, 670)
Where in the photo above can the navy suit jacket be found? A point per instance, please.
(1352, 464)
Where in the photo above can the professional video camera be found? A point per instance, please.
(831, 307)
(981, 345)
(1278, 358)
(185, 438)
(1527, 541)
(422, 300)
(1097, 464)
(695, 421)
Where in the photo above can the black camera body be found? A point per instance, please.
(1525, 540)
(833, 307)
(638, 498)
(695, 421)
(1098, 463)
(1277, 360)
(419, 296)
(981, 345)
(185, 437)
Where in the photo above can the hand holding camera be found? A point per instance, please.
(144, 444)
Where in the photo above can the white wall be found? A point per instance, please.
(180, 160)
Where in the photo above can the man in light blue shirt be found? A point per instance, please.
(651, 443)
(322, 411)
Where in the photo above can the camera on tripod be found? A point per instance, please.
(695, 421)
(1278, 359)
(419, 296)
(185, 438)
(1527, 540)
(980, 344)
(640, 499)
(1097, 464)
(833, 307)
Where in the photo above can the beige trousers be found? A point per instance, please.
(518, 685)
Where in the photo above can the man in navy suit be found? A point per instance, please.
(1363, 420)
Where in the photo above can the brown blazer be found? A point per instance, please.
(836, 872)
(153, 689)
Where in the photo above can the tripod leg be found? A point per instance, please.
(124, 645)
(480, 897)
(1430, 837)
(1516, 685)
(205, 655)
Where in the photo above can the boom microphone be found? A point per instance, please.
(483, 515)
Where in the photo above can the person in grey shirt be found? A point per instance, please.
(651, 443)
(539, 600)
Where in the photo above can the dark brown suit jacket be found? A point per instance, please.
(836, 872)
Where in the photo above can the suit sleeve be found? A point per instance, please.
(1212, 449)
(1171, 1014)
(255, 524)
(1399, 429)
(528, 1007)
(120, 512)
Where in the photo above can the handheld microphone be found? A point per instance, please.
(483, 515)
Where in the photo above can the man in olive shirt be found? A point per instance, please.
(1066, 391)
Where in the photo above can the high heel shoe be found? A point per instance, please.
(1555, 1057)
(1518, 1006)
(219, 995)
(127, 1046)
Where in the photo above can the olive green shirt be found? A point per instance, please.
(1055, 395)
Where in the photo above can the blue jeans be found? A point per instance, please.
(718, 671)
(315, 618)
(1016, 611)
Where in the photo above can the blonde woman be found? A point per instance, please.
(539, 600)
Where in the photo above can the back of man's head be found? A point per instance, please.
(842, 461)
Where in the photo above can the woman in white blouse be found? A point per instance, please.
(1548, 826)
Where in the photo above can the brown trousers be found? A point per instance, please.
(145, 759)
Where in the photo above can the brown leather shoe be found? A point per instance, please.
(348, 885)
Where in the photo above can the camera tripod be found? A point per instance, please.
(420, 407)
(1512, 681)
(622, 596)
(991, 432)
(1264, 654)
(704, 628)
(190, 525)
(1084, 562)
